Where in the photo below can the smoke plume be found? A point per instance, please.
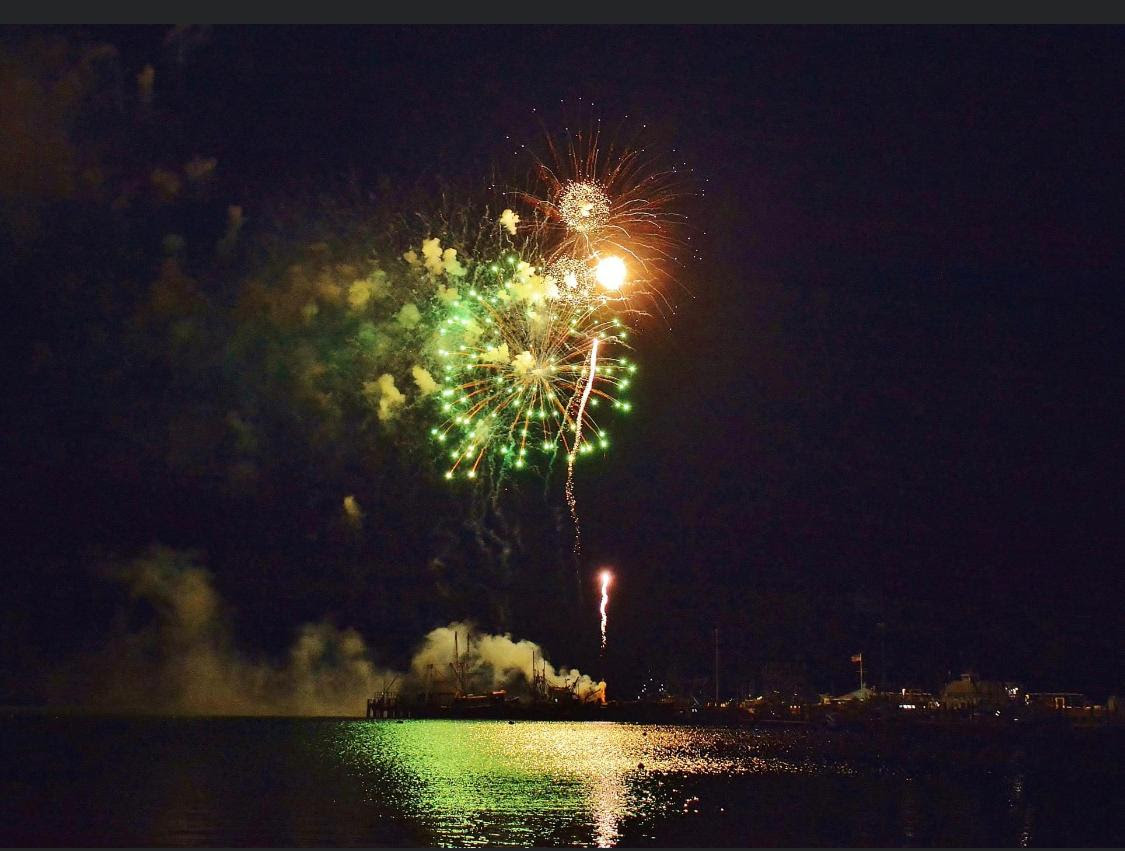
(183, 660)
(494, 661)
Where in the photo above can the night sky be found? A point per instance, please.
(885, 415)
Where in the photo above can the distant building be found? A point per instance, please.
(969, 692)
(1056, 700)
(864, 693)
(911, 698)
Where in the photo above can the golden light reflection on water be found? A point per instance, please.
(491, 782)
(294, 782)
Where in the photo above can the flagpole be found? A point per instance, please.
(858, 657)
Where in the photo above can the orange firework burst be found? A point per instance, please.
(592, 200)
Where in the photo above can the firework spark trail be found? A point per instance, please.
(586, 392)
(606, 578)
(570, 499)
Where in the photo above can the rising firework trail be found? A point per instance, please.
(606, 578)
(570, 499)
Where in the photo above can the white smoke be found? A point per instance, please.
(424, 381)
(384, 393)
(353, 513)
(184, 661)
(496, 354)
(494, 661)
(409, 316)
(508, 221)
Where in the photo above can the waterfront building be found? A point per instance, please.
(970, 692)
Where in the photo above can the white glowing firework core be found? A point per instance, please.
(606, 578)
(610, 273)
(584, 206)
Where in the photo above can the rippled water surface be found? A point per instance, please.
(111, 781)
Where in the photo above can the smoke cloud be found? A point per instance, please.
(390, 398)
(352, 511)
(255, 350)
(423, 379)
(495, 661)
(508, 221)
(183, 660)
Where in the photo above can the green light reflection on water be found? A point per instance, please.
(487, 783)
(534, 783)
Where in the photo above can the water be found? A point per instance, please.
(129, 781)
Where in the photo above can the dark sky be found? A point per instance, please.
(890, 393)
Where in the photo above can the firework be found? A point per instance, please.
(591, 201)
(571, 499)
(591, 372)
(521, 374)
(610, 273)
(575, 280)
(606, 578)
(530, 323)
(584, 207)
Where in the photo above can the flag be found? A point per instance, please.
(858, 657)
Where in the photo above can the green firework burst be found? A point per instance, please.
(515, 361)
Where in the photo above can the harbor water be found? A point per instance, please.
(283, 781)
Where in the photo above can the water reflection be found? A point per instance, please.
(607, 803)
(495, 783)
(287, 782)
